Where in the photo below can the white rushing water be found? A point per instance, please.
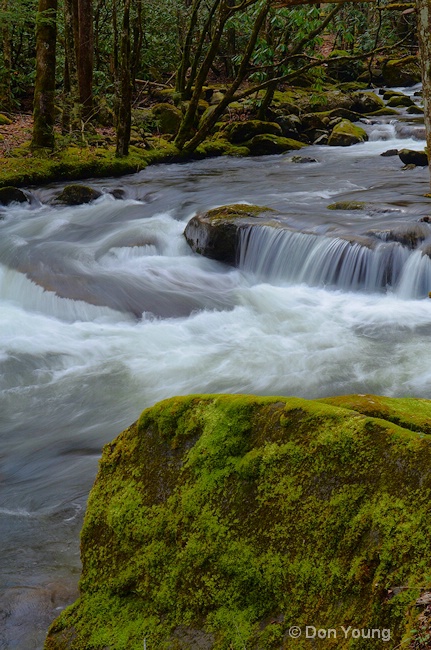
(105, 310)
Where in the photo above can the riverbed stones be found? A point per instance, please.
(77, 195)
(215, 233)
(345, 134)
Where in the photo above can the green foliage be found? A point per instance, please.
(235, 517)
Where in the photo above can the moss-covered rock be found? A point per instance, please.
(402, 72)
(345, 69)
(10, 195)
(366, 102)
(167, 117)
(398, 101)
(215, 233)
(219, 522)
(345, 134)
(412, 157)
(220, 147)
(77, 195)
(347, 205)
(241, 132)
(415, 110)
(4, 120)
(267, 144)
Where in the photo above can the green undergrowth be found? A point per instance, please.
(22, 168)
(221, 521)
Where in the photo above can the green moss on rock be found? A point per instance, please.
(347, 205)
(240, 132)
(215, 233)
(221, 521)
(345, 134)
(4, 120)
(402, 72)
(267, 144)
(77, 195)
(168, 117)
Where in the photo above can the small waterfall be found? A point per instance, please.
(281, 255)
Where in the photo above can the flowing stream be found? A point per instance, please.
(105, 310)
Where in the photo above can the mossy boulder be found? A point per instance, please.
(345, 134)
(267, 144)
(346, 68)
(366, 102)
(402, 72)
(220, 147)
(215, 233)
(412, 157)
(4, 120)
(398, 101)
(240, 132)
(167, 117)
(77, 195)
(11, 194)
(220, 521)
(415, 110)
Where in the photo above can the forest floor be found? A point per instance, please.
(15, 134)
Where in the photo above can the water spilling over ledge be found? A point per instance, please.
(280, 255)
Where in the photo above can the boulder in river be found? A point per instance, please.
(241, 132)
(12, 194)
(77, 195)
(267, 144)
(214, 233)
(216, 521)
(398, 101)
(412, 157)
(345, 134)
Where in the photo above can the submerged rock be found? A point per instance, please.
(77, 195)
(217, 521)
(215, 233)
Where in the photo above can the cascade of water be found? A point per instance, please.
(281, 255)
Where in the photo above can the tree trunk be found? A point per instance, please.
(71, 121)
(125, 88)
(5, 79)
(85, 55)
(44, 91)
(424, 30)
